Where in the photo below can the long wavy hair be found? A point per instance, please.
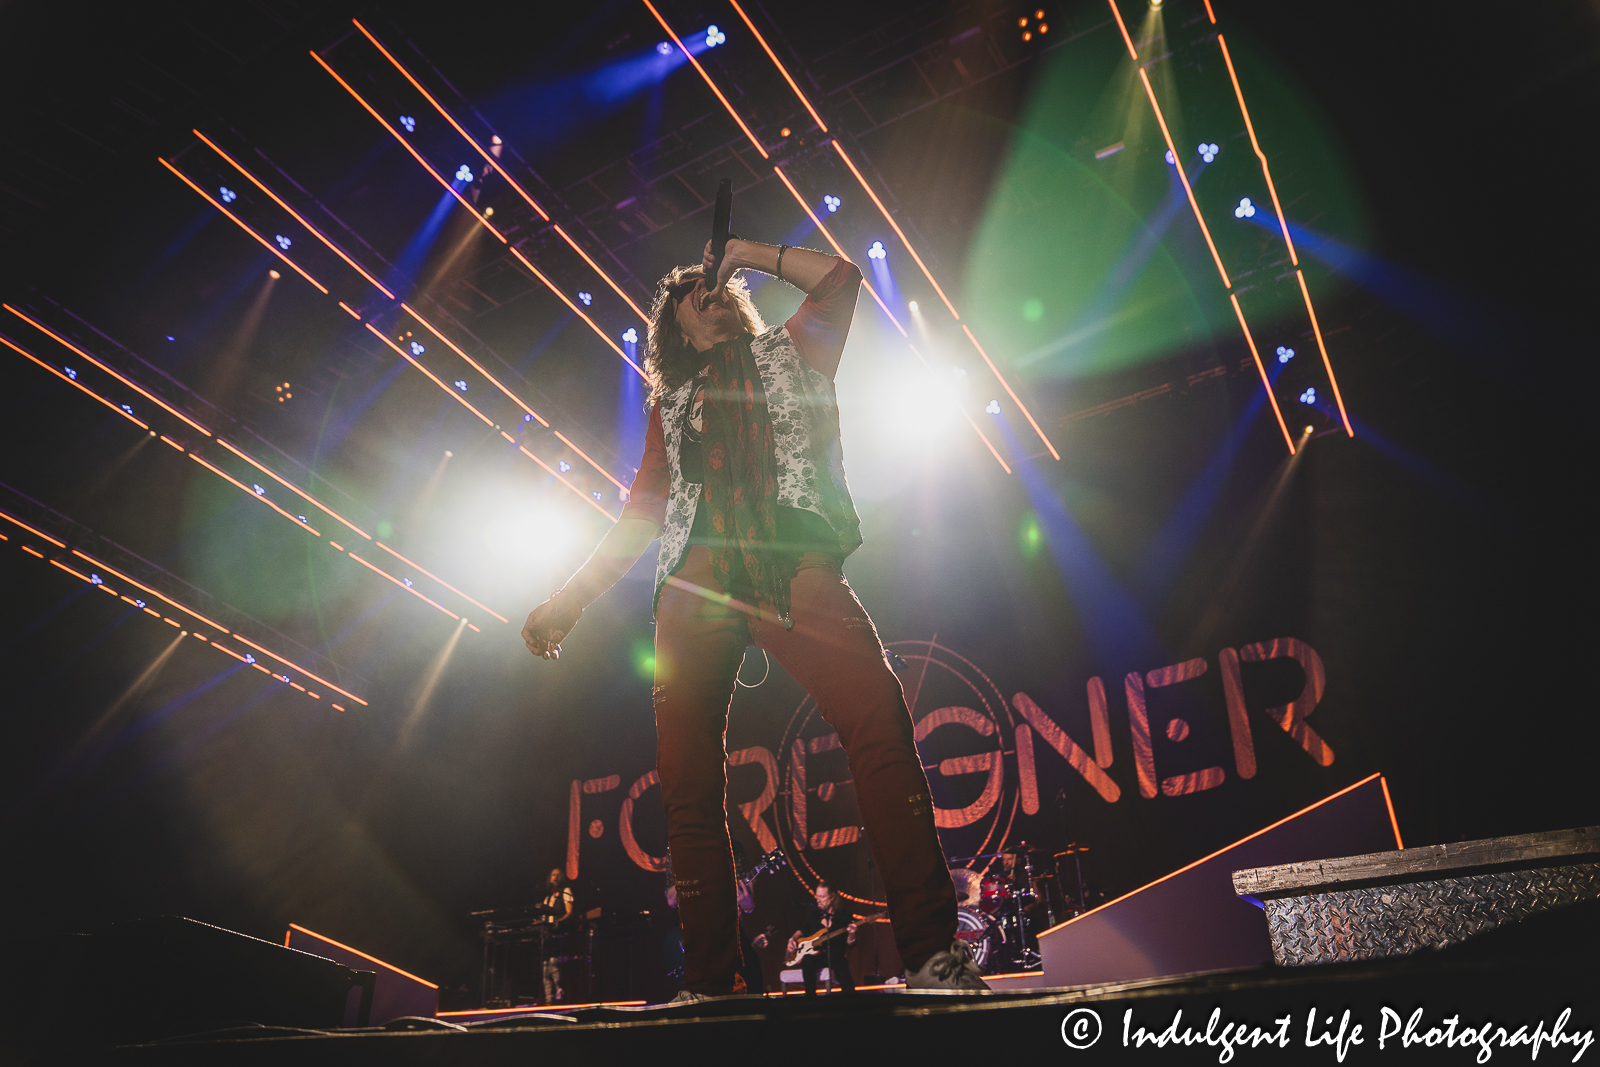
(669, 359)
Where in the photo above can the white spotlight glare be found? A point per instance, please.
(532, 537)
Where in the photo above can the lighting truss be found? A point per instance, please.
(1266, 172)
(455, 394)
(252, 491)
(482, 221)
(495, 164)
(89, 557)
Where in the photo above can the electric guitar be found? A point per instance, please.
(772, 861)
(811, 945)
(672, 946)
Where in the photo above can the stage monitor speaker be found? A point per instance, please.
(166, 976)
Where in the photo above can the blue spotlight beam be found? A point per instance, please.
(1112, 621)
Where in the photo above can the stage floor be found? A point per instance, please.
(1522, 976)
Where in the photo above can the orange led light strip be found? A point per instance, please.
(32, 530)
(1266, 172)
(1283, 226)
(1218, 852)
(463, 401)
(355, 951)
(1265, 384)
(42, 328)
(486, 420)
(1394, 822)
(515, 399)
(1124, 28)
(487, 158)
(268, 245)
(548, 284)
(576, 310)
(1321, 347)
(526, 1008)
(441, 581)
(970, 420)
(214, 625)
(495, 163)
(289, 663)
(812, 215)
(682, 48)
(297, 216)
(88, 580)
(252, 493)
(295, 489)
(874, 294)
(926, 273)
(1183, 177)
(407, 146)
(587, 499)
(823, 126)
(160, 596)
(402, 585)
(11, 345)
(1011, 392)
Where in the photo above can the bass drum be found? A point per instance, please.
(974, 927)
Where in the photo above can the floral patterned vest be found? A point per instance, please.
(805, 431)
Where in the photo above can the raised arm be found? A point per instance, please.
(801, 267)
(550, 622)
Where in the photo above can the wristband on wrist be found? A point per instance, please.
(781, 250)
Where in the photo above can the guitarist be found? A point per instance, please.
(828, 914)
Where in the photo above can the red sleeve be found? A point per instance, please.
(653, 484)
(822, 324)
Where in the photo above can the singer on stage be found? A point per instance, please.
(742, 480)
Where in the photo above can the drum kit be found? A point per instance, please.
(1002, 907)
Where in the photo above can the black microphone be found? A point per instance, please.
(721, 228)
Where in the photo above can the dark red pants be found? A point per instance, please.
(834, 652)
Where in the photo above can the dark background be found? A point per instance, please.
(1437, 563)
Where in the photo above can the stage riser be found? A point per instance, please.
(1366, 907)
(1194, 920)
(1363, 924)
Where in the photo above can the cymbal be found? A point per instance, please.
(969, 886)
(985, 856)
(1072, 850)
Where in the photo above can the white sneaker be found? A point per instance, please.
(949, 970)
(686, 997)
